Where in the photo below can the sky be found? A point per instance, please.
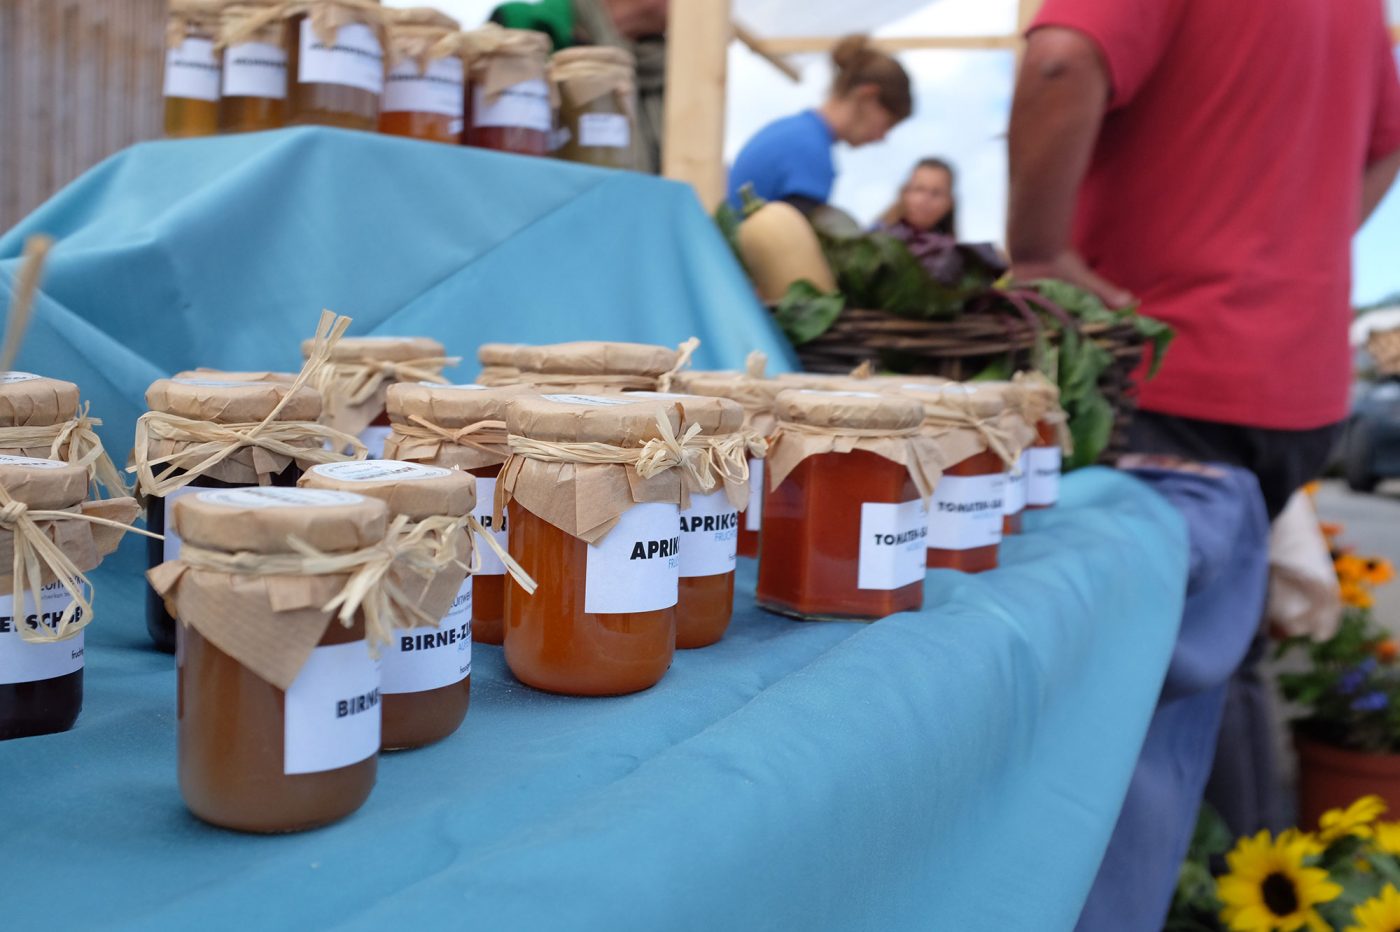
(962, 102)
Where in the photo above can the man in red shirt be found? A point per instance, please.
(1212, 159)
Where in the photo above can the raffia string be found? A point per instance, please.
(353, 382)
(36, 553)
(186, 17)
(756, 365)
(684, 351)
(517, 572)
(73, 442)
(217, 442)
(244, 22)
(1041, 386)
(655, 456)
(488, 437)
(36, 250)
(953, 411)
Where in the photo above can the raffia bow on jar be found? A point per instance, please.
(725, 439)
(1043, 404)
(360, 370)
(968, 419)
(327, 17)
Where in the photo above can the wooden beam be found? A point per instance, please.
(693, 150)
(760, 48)
(892, 44)
(1026, 11)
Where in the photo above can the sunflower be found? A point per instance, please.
(1355, 819)
(1387, 837)
(1269, 888)
(1380, 914)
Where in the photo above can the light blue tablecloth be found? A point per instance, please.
(959, 768)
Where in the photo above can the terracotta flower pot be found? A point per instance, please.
(1330, 777)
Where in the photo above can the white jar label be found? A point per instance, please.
(1044, 473)
(753, 517)
(255, 69)
(192, 70)
(426, 658)
(1017, 485)
(893, 544)
(379, 471)
(170, 548)
(440, 89)
(591, 401)
(267, 496)
(636, 567)
(491, 564)
(709, 536)
(332, 712)
(966, 512)
(24, 662)
(9, 378)
(604, 131)
(30, 462)
(522, 106)
(354, 60)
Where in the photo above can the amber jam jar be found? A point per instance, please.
(425, 89)
(710, 521)
(225, 403)
(361, 369)
(592, 366)
(278, 701)
(425, 670)
(41, 681)
(756, 395)
(843, 532)
(336, 63)
(253, 40)
(507, 104)
(461, 427)
(600, 539)
(597, 91)
(36, 413)
(191, 69)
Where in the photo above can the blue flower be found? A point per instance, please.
(1373, 701)
(1350, 682)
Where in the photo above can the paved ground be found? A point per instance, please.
(1373, 527)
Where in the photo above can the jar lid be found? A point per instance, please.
(595, 54)
(979, 399)
(492, 40)
(29, 400)
(714, 415)
(229, 401)
(263, 519)
(594, 358)
(407, 488)
(196, 9)
(226, 375)
(422, 16)
(817, 381)
(612, 419)
(380, 349)
(497, 354)
(43, 483)
(847, 409)
(451, 406)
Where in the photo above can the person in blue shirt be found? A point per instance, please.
(790, 159)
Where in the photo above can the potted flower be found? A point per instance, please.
(1348, 737)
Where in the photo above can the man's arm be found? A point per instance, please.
(1379, 176)
(1061, 95)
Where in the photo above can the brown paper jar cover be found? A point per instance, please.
(380, 349)
(756, 395)
(502, 58)
(451, 408)
(227, 375)
(29, 400)
(418, 33)
(231, 401)
(497, 363)
(351, 354)
(411, 489)
(968, 418)
(596, 359)
(719, 419)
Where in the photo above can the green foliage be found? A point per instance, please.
(1195, 907)
(806, 312)
(1351, 694)
(878, 271)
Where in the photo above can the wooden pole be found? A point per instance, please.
(693, 149)
(761, 48)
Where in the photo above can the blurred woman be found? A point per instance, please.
(791, 159)
(926, 203)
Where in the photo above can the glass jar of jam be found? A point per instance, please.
(844, 517)
(425, 670)
(40, 417)
(278, 700)
(597, 92)
(361, 369)
(461, 427)
(253, 37)
(191, 69)
(1046, 453)
(336, 63)
(198, 402)
(497, 364)
(41, 680)
(598, 532)
(508, 108)
(1018, 426)
(710, 521)
(756, 394)
(425, 89)
(591, 366)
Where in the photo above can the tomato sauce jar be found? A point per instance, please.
(508, 105)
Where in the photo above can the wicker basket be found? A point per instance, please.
(961, 348)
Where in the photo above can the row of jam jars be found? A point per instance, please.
(599, 535)
(41, 653)
(355, 382)
(173, 440)
(425, 670)
(508, 105)
(709, 521)
(425, 88)
(278, 700)
(845, 516)
(461, 427)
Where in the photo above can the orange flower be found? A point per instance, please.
(1331, 530)
(1386, 650)
(1356, 595)
(1312, 488)
(1379, 571)
(1350, 568)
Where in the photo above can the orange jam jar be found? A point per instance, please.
(191, 69)
(508, 106)
(355, 383)
(710, 520)
(1021, 412)
(592, 366)
(44, 418)
(277, 698)
(593, 492)
(253, 43)
(845, 516)
(424, 91)
(425, 670)
(461, 427)
(596, 86)
(976, 435)
(336, 65)
(756, 395)
(175, 436)
(1045, 457)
